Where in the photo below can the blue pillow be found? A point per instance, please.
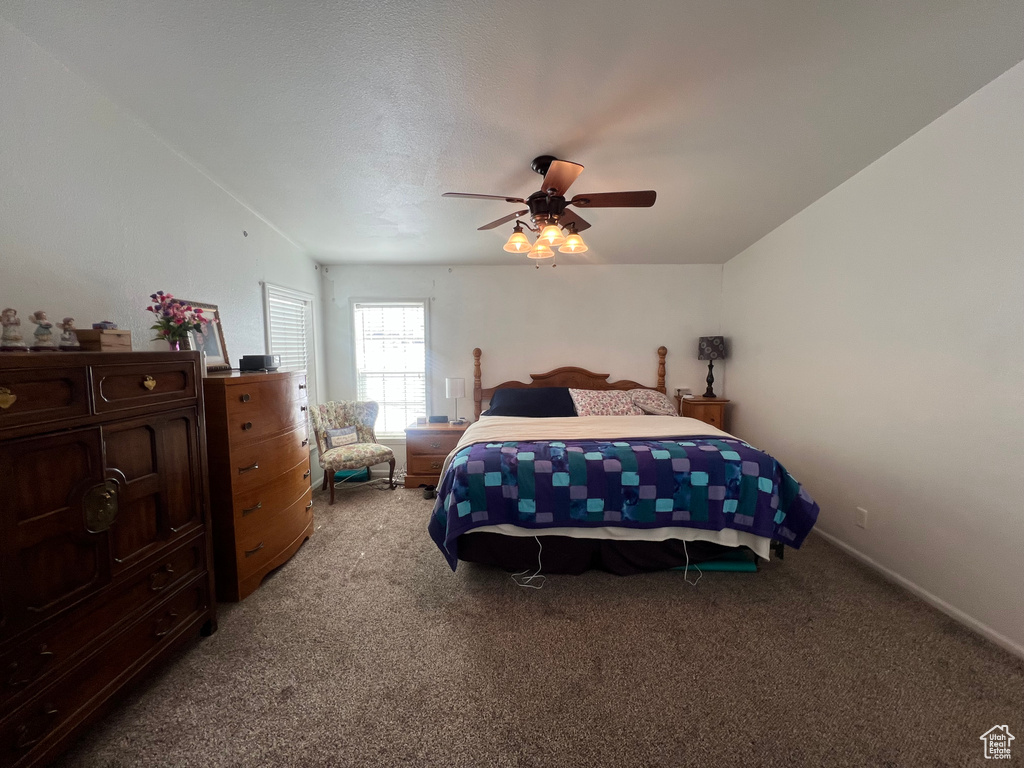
(535, 403)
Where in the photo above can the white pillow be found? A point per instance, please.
(653, 402)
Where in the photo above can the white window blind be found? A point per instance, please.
(391, 361)
(289, 317)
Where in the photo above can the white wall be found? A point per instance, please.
(878, 351)
(610, 319)
(97, 212)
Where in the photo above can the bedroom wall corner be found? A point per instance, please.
(878, 352)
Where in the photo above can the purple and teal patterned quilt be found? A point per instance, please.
(696, 482)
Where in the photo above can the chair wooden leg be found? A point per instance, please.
(332, 487)
(326, 475)
(391, 474)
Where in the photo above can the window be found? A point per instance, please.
(289, 316)
(391, 361)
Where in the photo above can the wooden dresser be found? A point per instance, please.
(260, 493)
(426, 446)
(104, 542)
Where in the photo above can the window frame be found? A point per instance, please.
(311, 362)
(354, 380)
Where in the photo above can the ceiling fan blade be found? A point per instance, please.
(615, 200)
(570, 217)
(485, 197)
(503, 220)
(560, 176)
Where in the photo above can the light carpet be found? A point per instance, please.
(366, 650)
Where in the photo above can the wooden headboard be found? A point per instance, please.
(577, 378)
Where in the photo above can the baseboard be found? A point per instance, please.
(955, 613)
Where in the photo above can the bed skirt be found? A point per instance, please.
(562, 554)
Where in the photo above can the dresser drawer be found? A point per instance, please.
(36, 659)
(430, 443)
(272, 417)
(252, 507)
(39, 395)
(49, 715)
(257, 545)
(425, 465)
(253, 394)
(117, 387)
(255, 464)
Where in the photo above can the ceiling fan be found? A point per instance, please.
(549, 213)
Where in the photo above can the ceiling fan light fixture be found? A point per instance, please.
(540, 251)
(552, 236)
(518, 242)
(573, 244)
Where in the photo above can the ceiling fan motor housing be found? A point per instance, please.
(544, 207)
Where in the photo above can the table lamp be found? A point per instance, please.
(711, 348)
(455, 388)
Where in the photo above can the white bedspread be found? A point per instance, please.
(494, 429)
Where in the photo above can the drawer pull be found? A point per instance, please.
(303, 408)
(158, 580)
(305, 442)
(435, 445)
(245, 398)
(254, 550)
(302, 386)
(168, 620)
(305, 475)
(247, 425)
(25, 740)
(435, 465)
(149, 383)
(14, 681)
(7, 398)
(309, 505)
(250, 510)
(250, 468)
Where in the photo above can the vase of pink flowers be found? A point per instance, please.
(174, 319)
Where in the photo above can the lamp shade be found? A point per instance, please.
(552, 236)
(573, 244)
(540, 251)
(455, 388)
(517, 241)
(711, 348)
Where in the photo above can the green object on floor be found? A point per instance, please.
(352, 475)
(740, 561)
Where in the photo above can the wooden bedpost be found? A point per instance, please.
(477, 389)
(662, 351)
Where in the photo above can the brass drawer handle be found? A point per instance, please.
(7, 398)
(305, 475)
(250, 510)
(155, 584)
(435, 445)
(170, 618)
(24, 741)
(149, 383)
(247, 425)
(309, 505)
(250, 468)
(15, 682)
(435, 465)
(251, 552)
(245, 398)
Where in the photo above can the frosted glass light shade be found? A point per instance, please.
(540, 251)
(518, 242)
(552, 235)
(573, 244)
(454, 387)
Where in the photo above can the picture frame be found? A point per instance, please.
(210, 339)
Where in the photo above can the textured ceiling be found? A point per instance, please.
(342, 123)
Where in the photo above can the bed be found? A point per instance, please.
(636, 491)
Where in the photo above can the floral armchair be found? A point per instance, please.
(364, 453)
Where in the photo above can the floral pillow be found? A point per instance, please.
(337, 438)
(609, 402)
(653, 402)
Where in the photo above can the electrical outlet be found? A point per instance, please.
(862, 517)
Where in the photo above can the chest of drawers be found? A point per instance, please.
(426, 446)
(104, 538)
(260, 494)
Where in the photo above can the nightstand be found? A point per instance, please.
(426, 446)
(710, 410)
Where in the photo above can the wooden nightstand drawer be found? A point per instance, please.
(709, 410)
(432, 443)
(426, 447)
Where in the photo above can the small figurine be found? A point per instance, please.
(11, 341)
(43, 332)
(68, 337)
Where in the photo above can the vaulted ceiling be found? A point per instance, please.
(342, 123)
